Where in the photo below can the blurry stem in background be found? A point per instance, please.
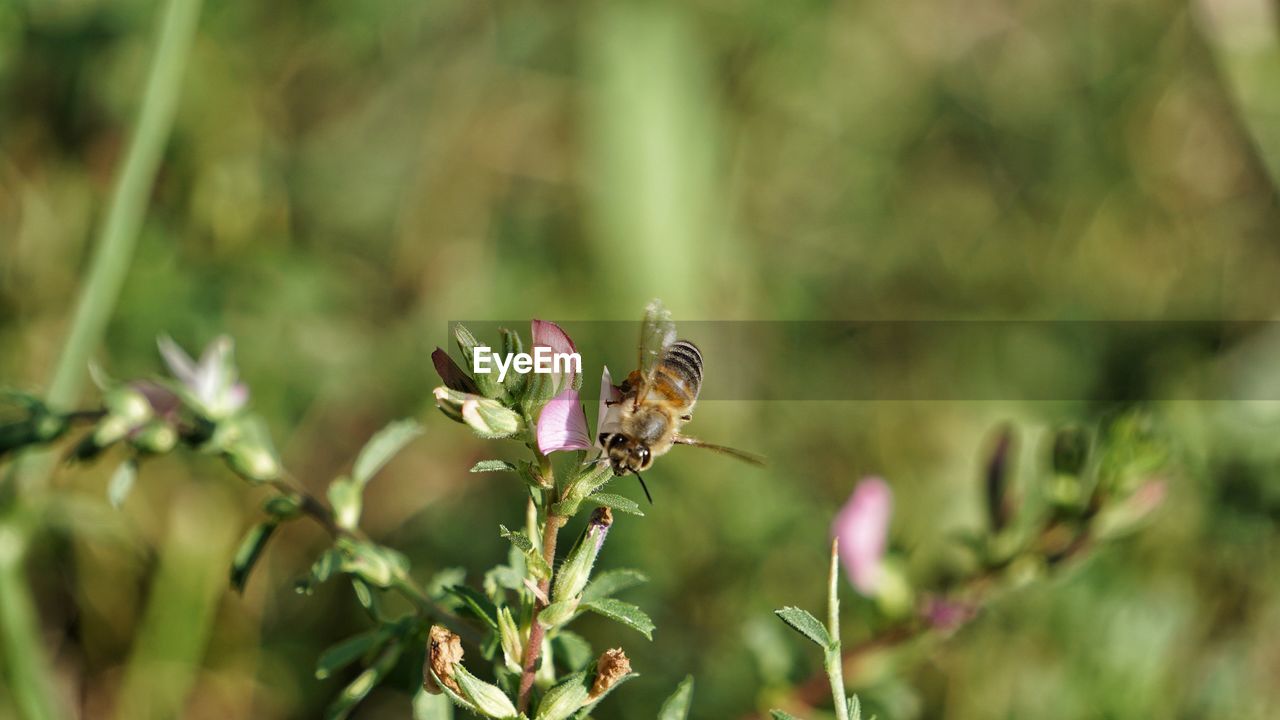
(29, 681)
(118, 234)
(1246, 43)
(181, 605)
(25, 658)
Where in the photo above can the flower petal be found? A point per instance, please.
(607, 415)
(237, 396)
(562, 425)
(548, 334)
(862, 527)
(179, 362)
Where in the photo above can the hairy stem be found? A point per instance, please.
(533, 650)
(833, 660)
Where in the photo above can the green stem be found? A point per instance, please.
(533, 649)
(29, 677)
(23, 653)
(834, 659)
(118, 234)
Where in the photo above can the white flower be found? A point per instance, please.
(212, 384)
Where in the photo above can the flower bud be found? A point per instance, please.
(450, 402)
(253, 462)
(444, 653)
(489, 700)
(512, 642)
(1000, 501)
(558, 613)
(155, 437)
(1131, 513)
(454, 377)
(490, 418)
(564, 699)
(576, 570)
(247, 448)
(612, 666)
(946, 615)
(109, 430)
(1070, 451)
(894, 594)
(129, 405)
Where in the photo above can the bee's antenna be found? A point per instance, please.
(645, 488)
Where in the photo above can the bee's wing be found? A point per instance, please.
(657, 333)
(731, 452)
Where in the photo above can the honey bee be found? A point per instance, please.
(657, 399)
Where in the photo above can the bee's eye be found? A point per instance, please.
(615, 441)
(644, 455)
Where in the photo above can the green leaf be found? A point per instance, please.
(494, 466)
(321, 570)
(519, 539)
(624, 612)
(365, 596)
(479, 605)
(382, 447)
(677, 706)
(344, 496)
(283, 507)
(380, 566)
(364, 683)
(612, 582)
(513, 345)
(616, 502)
(780, 715)
(250, 550)
(122, 482)
(348, 651)
(438, 586)
(537, 563)
(806, 624)
(855, 708)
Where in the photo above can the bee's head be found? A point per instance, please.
(625, 454)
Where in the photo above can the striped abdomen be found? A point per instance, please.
(678, 376)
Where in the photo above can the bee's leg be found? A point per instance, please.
(645, 488)
(686, 418)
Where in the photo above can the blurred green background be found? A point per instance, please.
(346, 177)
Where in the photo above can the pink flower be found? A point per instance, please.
(562, 425)
(947, 615)
(862, 527)
(1150, 496)
(548, 334)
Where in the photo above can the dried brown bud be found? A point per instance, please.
(602, 516)
(444, 651)
(612, 666)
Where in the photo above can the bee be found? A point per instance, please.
(656, 400)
